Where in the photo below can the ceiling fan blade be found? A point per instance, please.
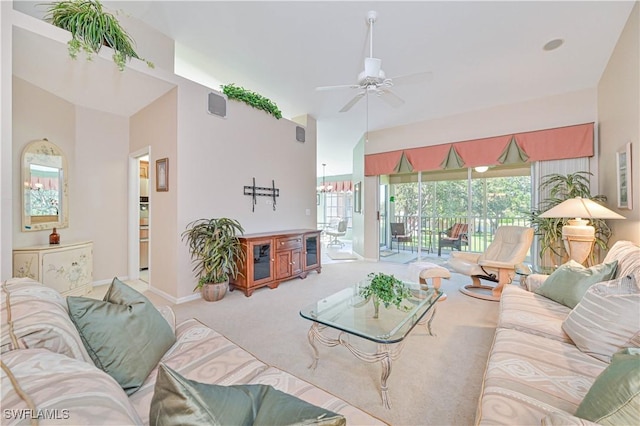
(343, 86)
(415, 78)
(352, 102)
(389, 97)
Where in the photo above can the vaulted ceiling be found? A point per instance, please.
(481, 54)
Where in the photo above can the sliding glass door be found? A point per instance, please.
(431, 204)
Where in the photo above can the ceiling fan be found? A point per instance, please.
(373, 80)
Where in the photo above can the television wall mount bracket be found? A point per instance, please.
(261, 191)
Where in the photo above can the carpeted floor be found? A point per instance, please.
(435, 381)
(341, 255)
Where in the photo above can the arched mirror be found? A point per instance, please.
(45, 203)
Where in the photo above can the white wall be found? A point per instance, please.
(211, 159)
(38, 114)
(6, 157)
(619, 123)
(217, 157)
(96, 146)
(156, 126)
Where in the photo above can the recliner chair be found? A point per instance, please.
(498, 263)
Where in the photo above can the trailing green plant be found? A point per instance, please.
(91, 28)
(253, 99)
(561, 188)
(215, 249)
(386, 289)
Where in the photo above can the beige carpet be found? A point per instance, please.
(341, 255)
(436, 380)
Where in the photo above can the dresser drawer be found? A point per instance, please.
(288, 243)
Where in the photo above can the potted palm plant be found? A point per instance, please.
(91, 28)
(549, 230)
(216, 252)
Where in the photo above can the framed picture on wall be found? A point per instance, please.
(623, 167)
(357, 197)
(162, 175)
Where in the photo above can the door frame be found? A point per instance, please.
(133, 242)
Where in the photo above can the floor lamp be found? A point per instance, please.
(578, 235)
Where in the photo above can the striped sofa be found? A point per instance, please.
(536, 373)
(48, 374)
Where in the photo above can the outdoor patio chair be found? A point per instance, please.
(498, 263)
(454, 237)
(399, 235)
(334, 233)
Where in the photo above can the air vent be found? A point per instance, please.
(300, 134)
(217, 105)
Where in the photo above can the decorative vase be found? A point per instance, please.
(376, 306)
(54, 237)
(213, 292)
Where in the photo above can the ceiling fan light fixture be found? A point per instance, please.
(372, 67)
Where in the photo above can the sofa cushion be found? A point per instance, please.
(529, 377)
(200, 354)
(39, 319)
(178, 400)
(69, 390)
(628, 256)
(526, 311)
(614, 398)
(124, 334)
(569, 283)
(607, 319)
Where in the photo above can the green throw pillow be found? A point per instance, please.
(177, 400)
(124, 334)
(614, 397)
(568, 283)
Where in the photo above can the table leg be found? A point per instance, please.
(385, 354)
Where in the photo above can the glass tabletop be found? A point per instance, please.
(348, 312)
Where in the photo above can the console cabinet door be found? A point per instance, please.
(311, 255)
(260, 259)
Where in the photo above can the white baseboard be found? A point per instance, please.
(175, 300)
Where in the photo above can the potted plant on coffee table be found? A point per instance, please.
(215, 251)
(386, 289)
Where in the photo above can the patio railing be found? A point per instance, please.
(481, 230)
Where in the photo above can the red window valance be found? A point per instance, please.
(550, 144)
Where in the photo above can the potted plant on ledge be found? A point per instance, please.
(216, 251)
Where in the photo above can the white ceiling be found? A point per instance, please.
(482, 54)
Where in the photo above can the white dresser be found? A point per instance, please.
(67, 268)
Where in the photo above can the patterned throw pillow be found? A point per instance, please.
(61, 390)
(36, 316)
(607, 319)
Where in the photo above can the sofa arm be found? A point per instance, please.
(534, 281)
(169, 315)
(565, 419)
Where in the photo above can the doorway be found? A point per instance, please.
(139, 216)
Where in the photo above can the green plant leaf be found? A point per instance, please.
(251, 98)
(91, 28)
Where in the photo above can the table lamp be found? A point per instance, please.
(578, 235)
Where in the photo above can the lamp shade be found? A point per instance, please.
(578, 235)
(581, 208)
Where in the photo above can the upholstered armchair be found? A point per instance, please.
(498, 263)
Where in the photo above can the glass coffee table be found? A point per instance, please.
(352, 315)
